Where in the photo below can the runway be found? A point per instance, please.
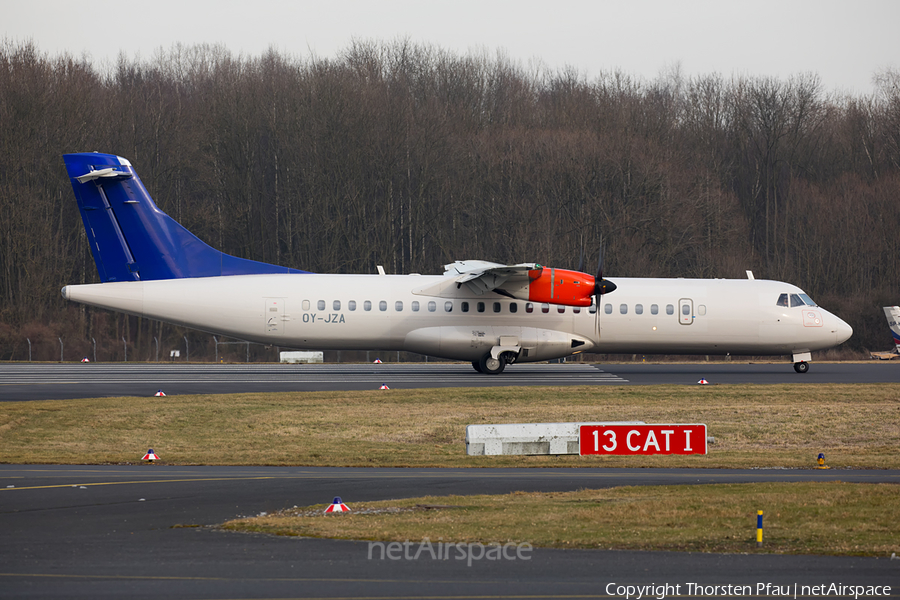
(45, 381)
(146, 532)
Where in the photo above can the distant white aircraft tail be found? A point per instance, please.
(893, 318)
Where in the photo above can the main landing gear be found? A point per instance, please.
(801, 367)
(489, 365)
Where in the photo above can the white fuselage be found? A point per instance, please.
(427, 314)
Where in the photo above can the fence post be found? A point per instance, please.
(60, 349)
(29, 349)
(124, 343)
(187, 350)
(156, 341)
(95, 349)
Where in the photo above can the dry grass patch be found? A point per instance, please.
(754, 426)
(802, 518)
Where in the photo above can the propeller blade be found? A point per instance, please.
(600, 261)
(602, 286)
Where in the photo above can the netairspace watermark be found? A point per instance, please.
(468, 552)
(664, 590)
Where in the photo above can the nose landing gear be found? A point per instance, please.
(801, 361)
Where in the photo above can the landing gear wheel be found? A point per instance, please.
(476, 364)
(801, 367)
(490, 365)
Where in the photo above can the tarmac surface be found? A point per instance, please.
(45, 381)
(147, 531)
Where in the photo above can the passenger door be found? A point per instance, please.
(685, 311)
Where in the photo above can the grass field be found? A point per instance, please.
(754, 426)
(801, 518)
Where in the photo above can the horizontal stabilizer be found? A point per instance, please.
(104, 173)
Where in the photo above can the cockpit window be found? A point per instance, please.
(795, 300)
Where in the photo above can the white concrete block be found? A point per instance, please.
(528, 438)
(302, 357)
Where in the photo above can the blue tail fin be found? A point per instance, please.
(131, 239)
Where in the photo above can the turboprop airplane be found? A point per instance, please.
(487, 313)
(892, 313)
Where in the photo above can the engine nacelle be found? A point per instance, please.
(554, 286)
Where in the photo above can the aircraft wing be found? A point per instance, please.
(482, 276)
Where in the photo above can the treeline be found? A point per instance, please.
(409, 156)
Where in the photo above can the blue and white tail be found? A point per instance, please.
(131, 239)
(893, 318)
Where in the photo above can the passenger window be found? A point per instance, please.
(529, 307)
(306, 305)
(513, 307)
(607, 308)
(623, 309)
(496, 307)
(670, 310)
(398, 306)
(336, 304)
(382, 305)
(701, 310)
(432, 306)
(448, 306)
(351, 304)
(545, 308)
(561, 309)
(367, 305)
(685, 309)
(576, 309)
(782, 300)
(415, 306)
(480, 307)
(320, 304)
(593, 309)
(638, 309)
(654, 309)
(464, 307)
(796, 301)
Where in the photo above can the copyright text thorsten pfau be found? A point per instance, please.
(664, 590)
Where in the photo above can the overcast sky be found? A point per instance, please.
(844, 42)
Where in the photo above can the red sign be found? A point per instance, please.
(689, 438)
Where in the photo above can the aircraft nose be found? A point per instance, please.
(842, 331)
